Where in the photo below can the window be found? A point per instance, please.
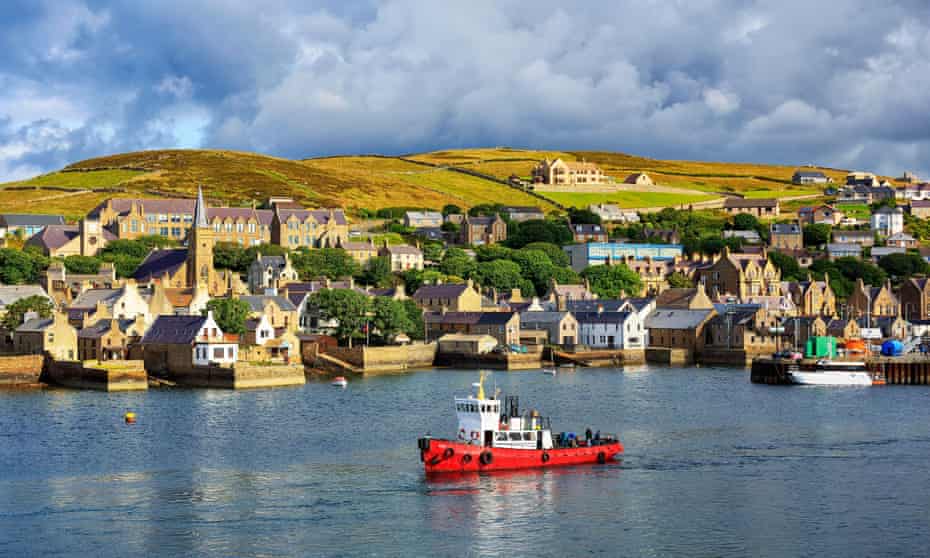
(501, 437)
(150, 218)
(175, 231)
(134, 225)
(529, 436)
(515, 436)
(175, 218)
(229, 352)
(229, 227)
(251, 227)
(163, 231)
(216, 227)
(240, 227)
(218, 352)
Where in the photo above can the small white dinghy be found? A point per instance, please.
(550, 371)
(339, 381)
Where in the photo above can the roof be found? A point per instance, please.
(901, 236)
(471, 318)
(467, 337)
(174, 330)
(358, 246)
(521, 209)
(417, 215)
(809, 174)
(402, 249)
(742, 202)
(738, 316)
(11, 293)
(482, 221)
(90, 298)
(160, 261)
(631, 179)
(677, 319)
(602, 317)
(35, 325)
(53, 237)
(885, 250)
(586, 228)
(318, 215)
(444, 290)
(786, 228)
(920, 203)
(257, 302)
(843, 247)
(28, 219)
(180, 297)
(887, 210)
(277, 262)
(745, 235)
(675, 296)
(854, 234)
(542, 317)
(102, 327)
(263, 216)
(607, 305)
(200, 214)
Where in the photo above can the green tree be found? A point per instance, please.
(21, 266)
(492, 252)
(346, 307)
(450, 227)
(902, 266)
(790, 270)
(414, 320)
(816, 234)
(432, 251)
(82, 265)
(334, 263)
(230, 255)
(537, 230)
(377, 272)
(678, 280)
(536, 266)
(613, 281)
(389, 317)
(230, 313)
(556, 254)
(583, 216)
(745, 222)
(16, 311)
(460, 266)
(503, 275)
(451, 209)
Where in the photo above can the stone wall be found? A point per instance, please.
(727, 357)
(20, 370)
(672, 357)
(401, 357)
(170, 363)
(116, 376)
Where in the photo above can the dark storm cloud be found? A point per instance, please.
(843, 83)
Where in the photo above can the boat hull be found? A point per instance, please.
(830, 378)
(447, 456)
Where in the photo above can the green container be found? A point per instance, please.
(820, 347)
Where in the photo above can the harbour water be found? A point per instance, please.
(714, 465)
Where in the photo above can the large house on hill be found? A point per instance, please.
(764, 207)
(559, 172)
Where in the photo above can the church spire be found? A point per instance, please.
(200, 211)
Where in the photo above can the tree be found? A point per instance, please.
(556, 254)
(536, 266)
(537, 230)
(450, 227)
(16, 311)
(334, 263)
(678, 280)
(459, 266)
(490, 252)
(583, 216)
(613, 281)
(377, 272)
(816, 234)
(389, 317)
(745, 222)
(790, 270)
(901, 266)
(230, 255)
(347, 308)
(432, 251)
(21, 266)
(451, 209)
(82, 265)
(414, 320)
(503, 275)
(230, 313)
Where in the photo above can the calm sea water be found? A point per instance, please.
(714, 465)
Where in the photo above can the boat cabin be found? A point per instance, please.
(483, 422)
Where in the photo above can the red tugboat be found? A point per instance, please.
(492, 437)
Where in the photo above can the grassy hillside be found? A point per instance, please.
(354, 182)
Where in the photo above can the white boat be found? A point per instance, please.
(339, 381)
(549, 371)
(832, 373)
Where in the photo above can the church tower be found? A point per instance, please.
(200, 243)
(91, 236)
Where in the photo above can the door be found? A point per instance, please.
(488, 438)
(610, 341)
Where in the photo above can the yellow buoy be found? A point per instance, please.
(130, 417)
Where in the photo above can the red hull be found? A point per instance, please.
(446, 456)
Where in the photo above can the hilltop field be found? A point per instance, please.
(372, 182)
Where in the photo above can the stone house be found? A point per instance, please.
(109, 338)
(466, 344)
(920, 208)
(559, 172)
(453, 297)
(503, 326)
(799, 328)
(901, 240)
(914, 297)
(176, 343)
(611, 330)
(786, 236)
(520, 214)
(611, 213)
(740, 275)
(589, 233)
(483, 230)
(639, 179)
(809, 177)
(422, 219)
(757, 207)
(876, 301)
(843, 329)
(561, 327)
(258, 331)
(124, 303)
(53, 335)
(318, 228)
(811, 298)
(64, 287)
(10, 294)
(270, 272)
(27, 224)
(683, 298)
(673, 328)
(361, 252)
(820, 215)
(402, 256)
(60, 241)
(278, 309)
(743, 328)
(560, 295)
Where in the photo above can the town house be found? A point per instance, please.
(483, 230)
(786, 236)
(177, 343)
(560, 327)
(740, 275)
(503, 326)
(763, 207)
(611, 330)
(453, 297)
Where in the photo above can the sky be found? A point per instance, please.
(840, 83)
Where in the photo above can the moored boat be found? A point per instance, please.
(339, 381)
(494, 436)
(832, 373)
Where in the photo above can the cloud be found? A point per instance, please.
(709, 79)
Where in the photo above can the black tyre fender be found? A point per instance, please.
(545, 457)
(486, 458)
(466, 459)
(448, 453)
(601, 457)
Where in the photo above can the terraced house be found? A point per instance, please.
(741, 275)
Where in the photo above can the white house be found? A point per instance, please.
(261, 329)
(887, 221)
(611, 330)
(611, 213)
(200, 335)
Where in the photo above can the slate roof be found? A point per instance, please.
(521, 209)
(677, 319)
(423, 215)
(90, 298)
(638, 303)
(102, 327)
(174, 330)
(53, 237)
(920, 203)
(786, 228)
(741, 202)
(542, 317)
(26, 219)
(277, 262)
(839, 247)
(318, 215)
(402, 249)
(585, 228)
(470, 318)
(444, 290)
(257, 302)
(35, 325)
(607, 305)
(809, 174)
(602, 317)
(11, 293)
(158, 262)
(677, 296)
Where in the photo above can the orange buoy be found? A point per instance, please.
(130, 417)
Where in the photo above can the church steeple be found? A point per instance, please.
(200, 243)
(200, 211)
